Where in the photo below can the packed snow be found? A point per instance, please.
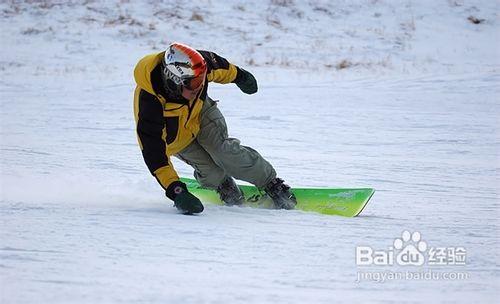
(401, 96)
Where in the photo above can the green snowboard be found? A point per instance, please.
(344, 202)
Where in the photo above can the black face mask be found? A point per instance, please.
(174, 91)
(172, 88)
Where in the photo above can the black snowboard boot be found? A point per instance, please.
(230, 193)
(280, 194)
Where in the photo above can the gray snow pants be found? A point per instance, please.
(215, 156)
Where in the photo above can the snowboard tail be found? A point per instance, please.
(343, 202)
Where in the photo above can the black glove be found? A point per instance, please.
(245, 81)
(184, 201)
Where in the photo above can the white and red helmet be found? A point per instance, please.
(184, 70)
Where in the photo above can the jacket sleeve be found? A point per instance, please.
(218, 68)
(151, 133)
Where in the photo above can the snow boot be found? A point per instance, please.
(280, 194)
(230, 193)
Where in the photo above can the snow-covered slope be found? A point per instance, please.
(401, 96)
(103, 38)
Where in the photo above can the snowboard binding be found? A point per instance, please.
(230, 193)
(280, 193)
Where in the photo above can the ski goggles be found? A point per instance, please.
(190, 82)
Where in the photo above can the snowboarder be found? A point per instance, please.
(175, 117)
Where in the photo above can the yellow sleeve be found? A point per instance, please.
(166, 175)
(222, 75)
(219, 70)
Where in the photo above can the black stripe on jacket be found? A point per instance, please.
(150, 129)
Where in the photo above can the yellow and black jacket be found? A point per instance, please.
(165, 126)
